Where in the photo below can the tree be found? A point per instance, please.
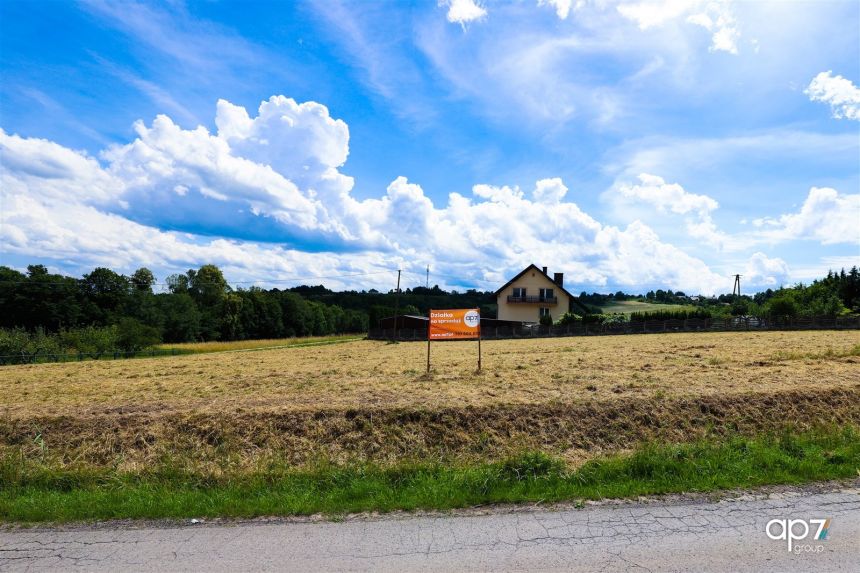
(740, 307)
(208, 288)
(106, 290)
(177, 283)
(181, 317)
(133, 335)
(782, 306)
(207, 285)
(41, 300)
(297, 318)
(142, 279)
(231, 323)
(12, 314)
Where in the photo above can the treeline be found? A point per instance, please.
(658, 296)
(417, 300)
(835, 294)
(198, 306)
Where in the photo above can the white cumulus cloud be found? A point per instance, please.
(764, 272)
(672, 198)
(716, 17)
(826, 216)
(840, 93)
(667, 196)
(464, 11)
(264, 197)
(562, 7)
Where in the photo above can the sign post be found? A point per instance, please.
(454, 324)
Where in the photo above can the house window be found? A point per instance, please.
(544, 311)
(519, 292)
(545, 294)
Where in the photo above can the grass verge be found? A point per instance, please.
(33, 493)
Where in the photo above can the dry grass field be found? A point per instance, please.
(373, 400)
(240, 345)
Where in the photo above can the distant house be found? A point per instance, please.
(532, 294)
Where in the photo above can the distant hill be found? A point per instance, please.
(628, 306)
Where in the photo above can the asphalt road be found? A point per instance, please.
(679, 534)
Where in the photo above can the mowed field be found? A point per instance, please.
(628, 306)
(372, 401)
(243, 345)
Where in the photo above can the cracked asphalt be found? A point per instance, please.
(674, 534)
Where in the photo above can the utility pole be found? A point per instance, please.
(397, 305)
(427, 304)
(736, 288)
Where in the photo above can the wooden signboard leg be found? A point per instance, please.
(428, 350)
(479, 352)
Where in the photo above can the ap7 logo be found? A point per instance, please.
(786, 531)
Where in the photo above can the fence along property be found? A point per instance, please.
(508, 332)
(643, 327)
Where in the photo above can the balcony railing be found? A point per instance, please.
(533, 299)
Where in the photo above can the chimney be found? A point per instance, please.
(544, 270)
(558, 278)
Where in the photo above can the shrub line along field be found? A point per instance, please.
(244, 413)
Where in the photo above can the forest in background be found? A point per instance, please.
(105, 310)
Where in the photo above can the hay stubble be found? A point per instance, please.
(371, 400)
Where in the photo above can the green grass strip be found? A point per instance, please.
(31, 493)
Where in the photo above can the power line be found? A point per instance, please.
(435, 274)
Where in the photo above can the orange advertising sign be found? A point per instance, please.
(455, 324)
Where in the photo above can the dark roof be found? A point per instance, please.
(527, 269)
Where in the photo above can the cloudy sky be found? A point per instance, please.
(630, 145)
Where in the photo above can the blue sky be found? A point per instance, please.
(631, 145)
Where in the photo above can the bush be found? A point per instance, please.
(698, 313)
(13, 341)
(133, 335)
(781, 306)
(18, 345)
(569, 318)
(614, 318)
(593, 318)
(740, 307)
(88, 340)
